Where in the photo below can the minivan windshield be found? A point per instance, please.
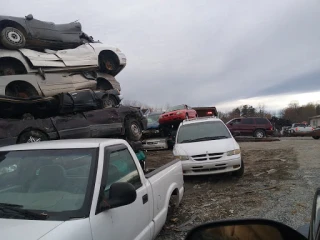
(55, 183)
(202, 131)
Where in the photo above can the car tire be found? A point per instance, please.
(32, 136)
(133, 130)
(315, 137)
(240, 172)
(109, 102)
(12, 38)
(108, 63)
(259, 133)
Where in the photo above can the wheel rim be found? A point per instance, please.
(109, 65)
(108, 102)
(14, 37)
(259, 134)
(33, 139)
(135, 129)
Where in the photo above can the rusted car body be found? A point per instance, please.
(107, 122)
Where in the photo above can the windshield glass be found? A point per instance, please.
(153, 118)
(202, 131)
(51, 181)
(174, 108)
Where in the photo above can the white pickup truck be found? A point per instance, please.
(83, 189)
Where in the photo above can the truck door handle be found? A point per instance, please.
(145, 198)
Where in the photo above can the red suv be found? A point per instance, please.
(251, 126)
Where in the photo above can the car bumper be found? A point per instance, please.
(153, 144)
(209, 167)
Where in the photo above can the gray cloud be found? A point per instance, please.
(199, 52)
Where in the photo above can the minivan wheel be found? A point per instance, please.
(240, 172)
(259, 133)
(315, 137)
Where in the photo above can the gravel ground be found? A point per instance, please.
(279, 183)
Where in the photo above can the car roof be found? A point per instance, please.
(201, 119)
(63, 144)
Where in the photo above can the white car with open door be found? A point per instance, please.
(205, 146)
(97, 56)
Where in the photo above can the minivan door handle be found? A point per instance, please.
(145, 198)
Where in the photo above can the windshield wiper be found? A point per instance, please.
(15, 211)
(203, 139)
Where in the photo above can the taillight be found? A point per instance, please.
(297, 129)
(209, 113)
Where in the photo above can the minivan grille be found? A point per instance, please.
(208, 156)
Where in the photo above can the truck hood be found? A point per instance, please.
(45, 230)
(25, 229)
(213, 146)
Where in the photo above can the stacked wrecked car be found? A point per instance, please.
(57, 82)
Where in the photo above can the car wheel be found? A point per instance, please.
(315, 137)
(108, 63)
(12, 38)
(240, 172)
(259, 133)
(21, 90)
(109, 102)
(133, 130)
(32, 136)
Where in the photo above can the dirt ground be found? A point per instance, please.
(279, 182)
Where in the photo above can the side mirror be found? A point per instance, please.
(29, 17)
(121, 194)
(253, 229)
(314, 232)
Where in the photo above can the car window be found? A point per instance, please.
(122, 168)
(261, 121)
(202, 130)
(247, 121)
(235, 121)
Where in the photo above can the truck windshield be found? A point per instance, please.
(52, 182)
(202, 131)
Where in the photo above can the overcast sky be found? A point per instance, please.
(214, 52)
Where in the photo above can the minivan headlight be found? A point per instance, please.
(233, 152)
(182, 157)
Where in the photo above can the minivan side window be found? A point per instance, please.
(247, 120)
(122, 168)
(261, 121)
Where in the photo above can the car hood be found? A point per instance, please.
(26, 229)
(45, 230)
(213, 146)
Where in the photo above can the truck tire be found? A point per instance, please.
(12, 38)
(133, 129)
(109, 102)
(259, 133)
(239, 173)
(32, 136)
(315, 137)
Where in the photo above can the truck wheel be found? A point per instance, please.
(12, 38)
(133, 130)
(259, 133)
(240, 172)
(32, 136)
(315, 137)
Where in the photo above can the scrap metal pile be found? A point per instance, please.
(55, 73)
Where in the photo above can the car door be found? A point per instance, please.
(132, 221)
(247, 126)
(72, 126)
(43, 30)
(234, 125)
(104, 122)
(55, 83)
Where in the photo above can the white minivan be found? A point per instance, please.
(206, 146)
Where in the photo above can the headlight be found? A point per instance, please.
(233, 152)
(182, 157)
(178, 113)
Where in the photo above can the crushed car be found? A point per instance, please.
(50, 84)
(176, 114)
(16, 32)
(96, 56)
(63, 103)
(123, 121)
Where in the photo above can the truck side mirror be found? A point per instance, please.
(121, 194)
